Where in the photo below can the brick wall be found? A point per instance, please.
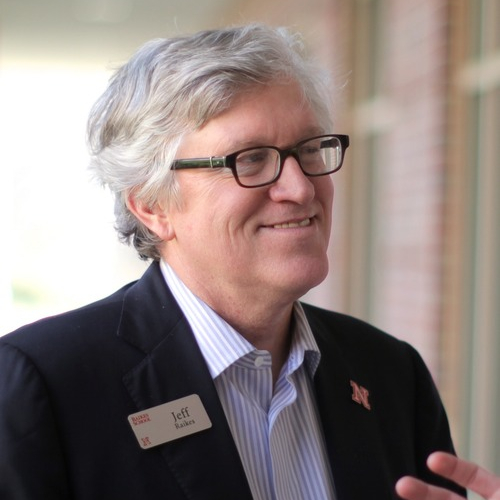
(409, 303)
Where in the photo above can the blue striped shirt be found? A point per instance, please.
(277, 433)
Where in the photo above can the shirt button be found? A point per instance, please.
(259, 361)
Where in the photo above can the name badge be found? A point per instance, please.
(169, 421)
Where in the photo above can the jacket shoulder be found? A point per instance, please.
(343, 328)
(363, 345)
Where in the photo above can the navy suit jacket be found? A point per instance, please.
(68, 384)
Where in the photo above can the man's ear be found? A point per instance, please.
(155, 218)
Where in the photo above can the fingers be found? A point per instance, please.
(410, 488)
(451, 467)
(466, 474)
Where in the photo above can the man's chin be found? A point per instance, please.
(304, 276)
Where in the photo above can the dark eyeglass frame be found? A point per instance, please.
(229, 161)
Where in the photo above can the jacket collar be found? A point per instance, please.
(207, 463)
(352, 434)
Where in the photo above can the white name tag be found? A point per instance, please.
(169, 421)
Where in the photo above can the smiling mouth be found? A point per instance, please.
(290, 225)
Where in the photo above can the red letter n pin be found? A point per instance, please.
(360, 395)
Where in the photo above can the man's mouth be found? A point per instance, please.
(289, 225)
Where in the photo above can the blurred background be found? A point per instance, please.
(416, 238)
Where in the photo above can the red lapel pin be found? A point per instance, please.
(360, 395)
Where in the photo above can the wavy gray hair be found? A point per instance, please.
(173, 86)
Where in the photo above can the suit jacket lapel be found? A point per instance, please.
(206, 464)
(351, 430)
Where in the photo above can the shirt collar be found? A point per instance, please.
(221, 345)
(304, 346)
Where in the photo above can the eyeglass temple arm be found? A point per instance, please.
(212, 162)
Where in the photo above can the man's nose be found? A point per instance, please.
(293, 184)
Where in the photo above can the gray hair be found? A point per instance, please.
(173, 86)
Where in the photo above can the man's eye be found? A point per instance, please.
(253, 161)
(309, 150)
(251, 157)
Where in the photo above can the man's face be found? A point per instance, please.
(269, 243)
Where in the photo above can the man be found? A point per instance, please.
(207, 379)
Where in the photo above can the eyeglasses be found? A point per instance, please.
(256, 167)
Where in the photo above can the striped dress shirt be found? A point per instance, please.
(277, 432)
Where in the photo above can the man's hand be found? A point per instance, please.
(466, 474)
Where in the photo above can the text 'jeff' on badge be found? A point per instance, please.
(169, 421)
